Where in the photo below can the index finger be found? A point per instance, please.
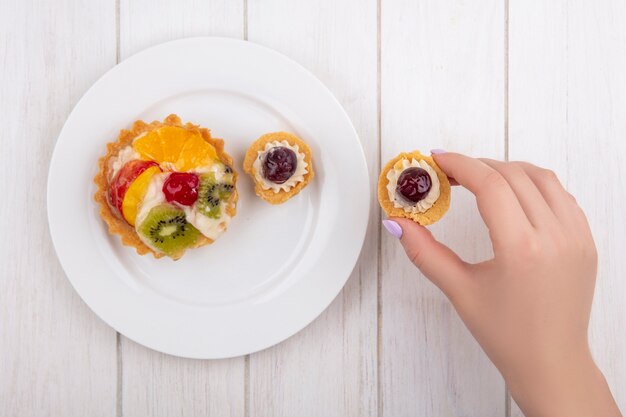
(497, 203)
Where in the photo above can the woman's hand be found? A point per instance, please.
(529, 306)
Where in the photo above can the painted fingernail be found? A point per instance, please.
(437, 151)
(393, 228)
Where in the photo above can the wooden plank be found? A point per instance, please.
(58, 358)
(329, 368)
(152, 383)
(442, 87)
(146, 23)
(567, 102)
(538, 93)
(156, 384)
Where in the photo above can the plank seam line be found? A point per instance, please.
(246, 386)
(246, 361)
(245, 20)
(507, 394)
(119, 392)
(119, 383)
(567, 165)
(506, 80)
(117, 32)
(379, 301)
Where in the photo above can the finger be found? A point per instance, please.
(530, 198)
(561, 202)
(496, 201)
(435, 260)
(548, 184)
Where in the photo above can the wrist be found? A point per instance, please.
(571, 385)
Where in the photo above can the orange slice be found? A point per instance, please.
(135, 194)
(173, 139)
(184, 149)
(196, 152)
(149, 147)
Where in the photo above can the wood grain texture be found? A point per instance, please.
(442, 87)
(567, 102)
(329, 368)
(154, 384)
(56, 357)
(145, 23)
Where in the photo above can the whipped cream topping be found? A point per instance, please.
(298, 175)
(399, 201)
(211, 228)
(124, 155)
(218, 169)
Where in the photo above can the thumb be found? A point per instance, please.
(436, 261)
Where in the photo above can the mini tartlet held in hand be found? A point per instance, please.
(412, 186)
(280, 165)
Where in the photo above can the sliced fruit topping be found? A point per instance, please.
(136, 192)
(414, 184)
(212, 193)
(172, 140)
(166, 229)
(123, 179)
(279, 164)
(196, 152)
(181, 187)
(184, 149)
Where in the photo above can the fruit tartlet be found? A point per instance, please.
(280, 165)
(411, 185)
(165, 187)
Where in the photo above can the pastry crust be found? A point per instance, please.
(430, 216)
(117, 226)
(257, 146)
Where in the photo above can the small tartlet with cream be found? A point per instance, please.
(412, 186)
(280, 164)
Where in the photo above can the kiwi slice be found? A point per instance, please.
(167, 229)
(211, 193)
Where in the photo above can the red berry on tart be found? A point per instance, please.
(412, 185)
(182, 188)
(280, 165)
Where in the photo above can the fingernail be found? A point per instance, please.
(393, 228)
(437, 151)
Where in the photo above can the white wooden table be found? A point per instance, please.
(539, 80)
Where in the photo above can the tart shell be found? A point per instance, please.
(430, 216)
(257, 146)
(127, 233)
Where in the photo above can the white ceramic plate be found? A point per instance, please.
(277, 267)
